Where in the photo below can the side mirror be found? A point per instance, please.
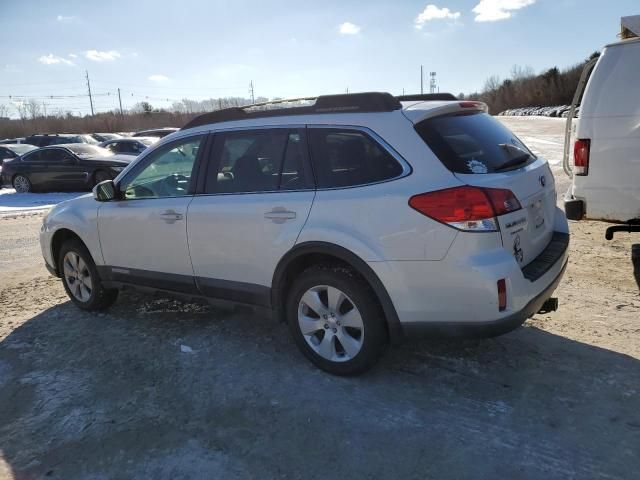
(104, 191)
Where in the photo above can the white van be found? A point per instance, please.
(606, 146)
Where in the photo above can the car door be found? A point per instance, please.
(64, 170)
(256, 197)
(34, 166)
(143, 234)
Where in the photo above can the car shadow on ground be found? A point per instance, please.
(157, 388)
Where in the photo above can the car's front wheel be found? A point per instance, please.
(336, 320)
(80, 278)
(21, 184)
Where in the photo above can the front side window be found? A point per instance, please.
(57, 155)
(167, 172)
(258, 161)
(345, 158)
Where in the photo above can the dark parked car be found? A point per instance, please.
(156, 132)
(129, 146)
(63, 167)
(103, 137)
(10, 151)
(46, 139)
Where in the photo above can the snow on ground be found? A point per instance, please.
(12, 202)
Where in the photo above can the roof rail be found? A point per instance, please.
(346, 103)
(426, 97)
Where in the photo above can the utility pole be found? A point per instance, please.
(89, 88)
(120, 100)
(253, 99)
(421, 81)
(44, 107)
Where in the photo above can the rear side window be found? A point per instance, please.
(263, 160)
(345, 158)
(473, 143)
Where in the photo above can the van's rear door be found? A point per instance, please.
(482, 152)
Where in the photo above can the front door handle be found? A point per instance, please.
(171, 216)
(280, 215)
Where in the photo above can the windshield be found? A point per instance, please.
(83, 150)
(473, 143)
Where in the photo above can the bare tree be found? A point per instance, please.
(21, 108)
(4, 111)
(33, 108)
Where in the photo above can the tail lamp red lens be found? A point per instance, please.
(502, 295)
(467, 208)
(581, 151)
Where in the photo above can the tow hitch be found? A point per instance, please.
(551, 305)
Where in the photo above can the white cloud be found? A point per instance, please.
(98, 56)
(494, 10)
(158, 78)
(73, 55)
(66, 18)
(431, 12)
(348, 28)
(52, 59)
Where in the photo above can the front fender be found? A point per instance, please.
(79, 216)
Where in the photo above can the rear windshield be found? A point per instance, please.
(474, 143)
(83, 150)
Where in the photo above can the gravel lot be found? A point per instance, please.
(161, 389)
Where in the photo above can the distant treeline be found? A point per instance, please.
(526, 89)
(140, 117)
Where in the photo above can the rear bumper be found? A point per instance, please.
(483, 329)
(459, 296)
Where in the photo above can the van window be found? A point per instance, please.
(345, 158)
(473, 142)
(262, 160)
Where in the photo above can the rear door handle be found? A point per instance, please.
(171, 216)
(280, 215)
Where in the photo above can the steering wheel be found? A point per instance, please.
(176, 181)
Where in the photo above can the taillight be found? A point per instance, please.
(466, 208)
(581, 156)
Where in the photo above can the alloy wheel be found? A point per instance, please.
(77, 276)
(331, 323)
(21, 184)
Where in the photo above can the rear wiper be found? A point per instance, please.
(520, 159)
(523, 157)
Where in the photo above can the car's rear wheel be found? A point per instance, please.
(336, 320)
(21, 184)
(100, 176)
(80, 278)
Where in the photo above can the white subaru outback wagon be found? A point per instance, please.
(361, 219)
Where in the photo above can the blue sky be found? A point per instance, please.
(208, 48)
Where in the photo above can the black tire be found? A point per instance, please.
(100, 176)
(23, 184)
(100, 298)
(362, 297)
